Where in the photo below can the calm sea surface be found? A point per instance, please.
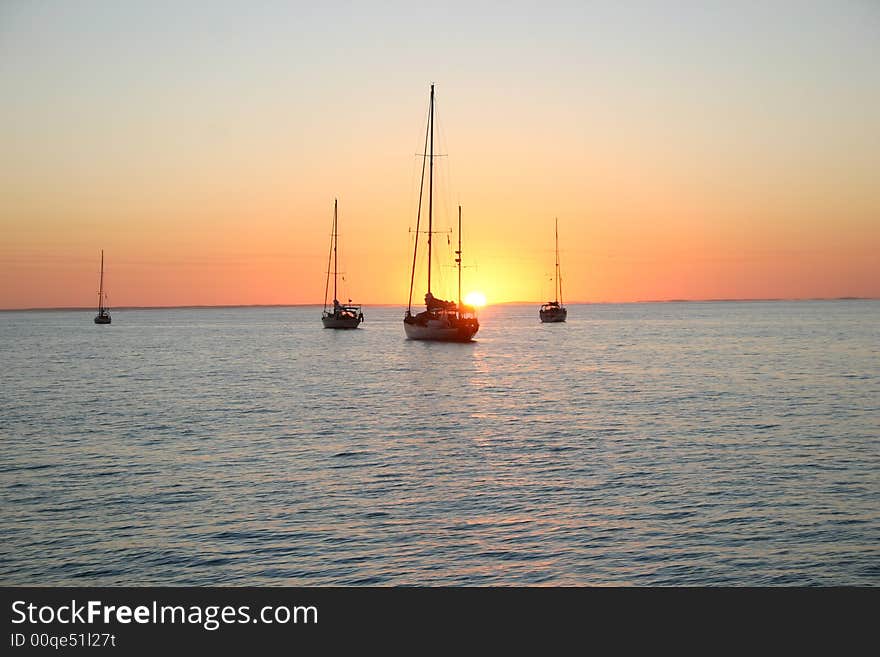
(665, 444)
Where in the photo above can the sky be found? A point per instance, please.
(690, 150)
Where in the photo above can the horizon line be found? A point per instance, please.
(500, 303)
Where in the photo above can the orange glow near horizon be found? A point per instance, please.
(279, 261)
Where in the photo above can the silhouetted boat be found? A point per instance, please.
(554, 311)
(103, 316)
(343, 316)
(445, 321)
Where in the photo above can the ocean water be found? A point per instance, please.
(661, 444)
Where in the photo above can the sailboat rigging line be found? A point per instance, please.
(412, 277)
(101, 285)
(329, 260)
(558, 274)
(430, 185)
(445, 178)
(335, 261)
(458, 256)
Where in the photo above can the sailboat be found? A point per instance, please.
(554, 311)
(342, 316)
(445, 321)
(103, 316)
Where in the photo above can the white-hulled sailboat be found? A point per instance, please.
(445, 321)
(554, 311)
(103, 316)
(342, 316)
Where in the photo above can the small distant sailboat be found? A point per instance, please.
(554, 311)
(103, 316)
(445, 321)
(342, 316)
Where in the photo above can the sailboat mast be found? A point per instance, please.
(101, 285)
(430, 185)
(458, 258)
(558, 279)
(335, 240)
(412, 276)
(329, 259)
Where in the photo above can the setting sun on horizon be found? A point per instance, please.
(206, 168)
(476, 299)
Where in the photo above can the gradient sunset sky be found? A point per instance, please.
(690, 150)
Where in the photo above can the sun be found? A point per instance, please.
(475, 299)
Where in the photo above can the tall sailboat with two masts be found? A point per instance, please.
(103, 316)
(554, 311)
(444, 321)
(342, 316)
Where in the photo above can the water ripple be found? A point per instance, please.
(665, 444)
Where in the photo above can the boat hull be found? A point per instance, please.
(439, 331)
(102, 319)
(341, 322)
(553, 316)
